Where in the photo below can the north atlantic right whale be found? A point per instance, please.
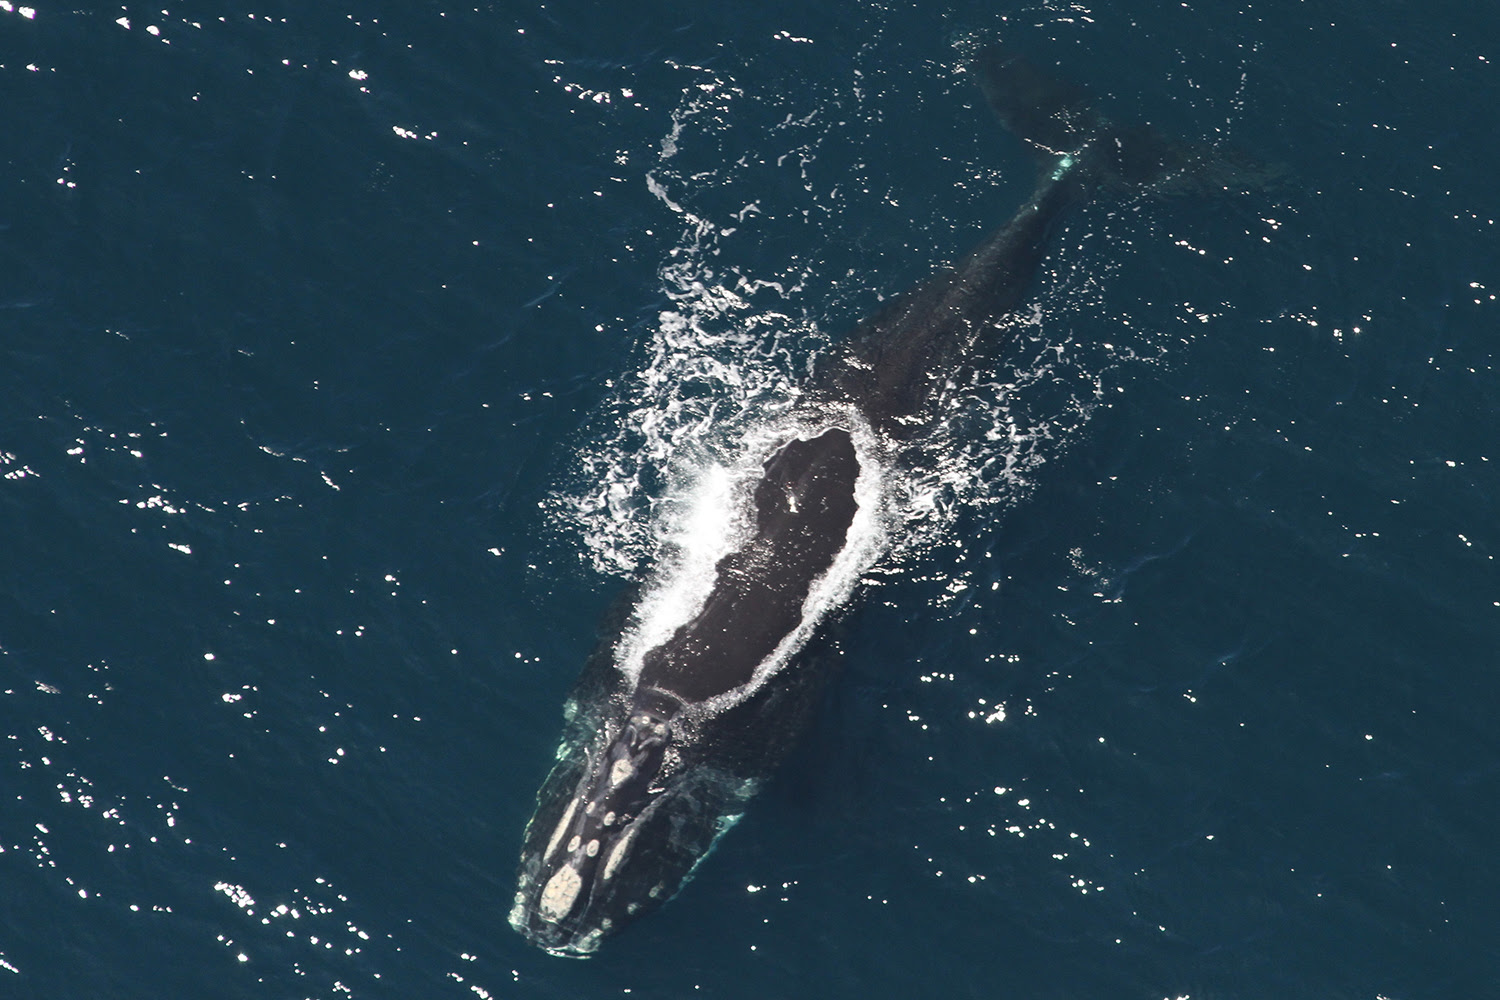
(675, 724)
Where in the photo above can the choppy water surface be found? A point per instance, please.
(356, 363)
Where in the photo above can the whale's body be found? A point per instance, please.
(669, 735)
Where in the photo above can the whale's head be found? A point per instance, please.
(618, 829)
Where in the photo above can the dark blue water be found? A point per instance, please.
(316, 322)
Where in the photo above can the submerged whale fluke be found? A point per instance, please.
(1058, 119)
(1052, 114)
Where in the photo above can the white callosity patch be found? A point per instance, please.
(620, 771)
(560, 893)
(562, 828)
(618, 852)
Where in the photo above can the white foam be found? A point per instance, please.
(867, 540)
(718, 517)
(714, 519)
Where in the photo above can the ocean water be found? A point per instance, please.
(354, 360)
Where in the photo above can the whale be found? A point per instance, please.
(673, 728)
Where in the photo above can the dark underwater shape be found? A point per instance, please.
(659, 757)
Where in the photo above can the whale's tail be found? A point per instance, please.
(893, 358)
(1059, 119)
